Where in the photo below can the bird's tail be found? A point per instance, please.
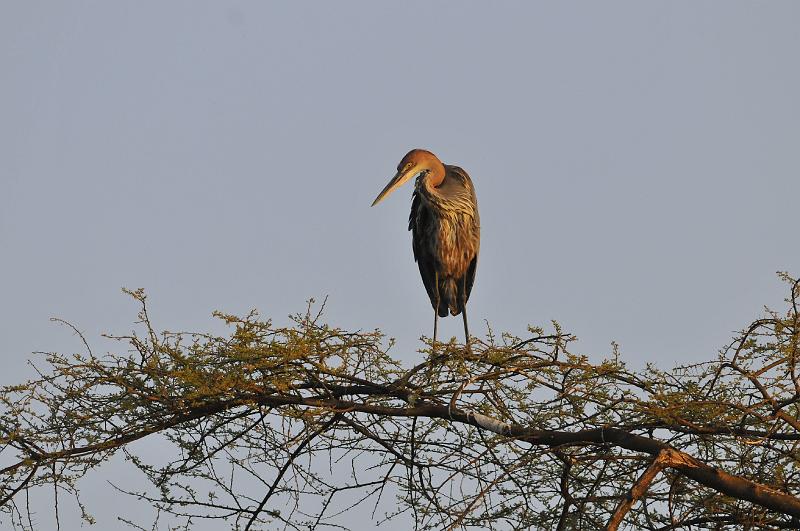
(448, 293)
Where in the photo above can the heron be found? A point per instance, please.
(445, 231)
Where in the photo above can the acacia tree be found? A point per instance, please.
(291, 426)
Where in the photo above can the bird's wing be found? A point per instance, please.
(420, 225)
(469, 277)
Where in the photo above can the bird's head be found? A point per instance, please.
(415, 163)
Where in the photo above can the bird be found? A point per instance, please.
(445, 231)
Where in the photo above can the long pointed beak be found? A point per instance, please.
(397, 181)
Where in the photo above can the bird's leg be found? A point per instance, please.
(466, 328)
(435, 330)
(429, 368)
(435, 326)
(436, 309)
(463, 297)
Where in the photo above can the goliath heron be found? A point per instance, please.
(445, 231)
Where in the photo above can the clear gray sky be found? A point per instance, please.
(637, 165)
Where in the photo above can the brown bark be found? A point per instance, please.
(638, 489)
(716, 479)
(719, 480)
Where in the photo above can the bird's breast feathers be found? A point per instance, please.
(458, 244)
(452, 233)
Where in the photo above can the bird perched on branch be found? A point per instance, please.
(445, 230)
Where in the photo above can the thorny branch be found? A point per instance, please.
(294, 425)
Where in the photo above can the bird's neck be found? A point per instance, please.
(436, 175)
